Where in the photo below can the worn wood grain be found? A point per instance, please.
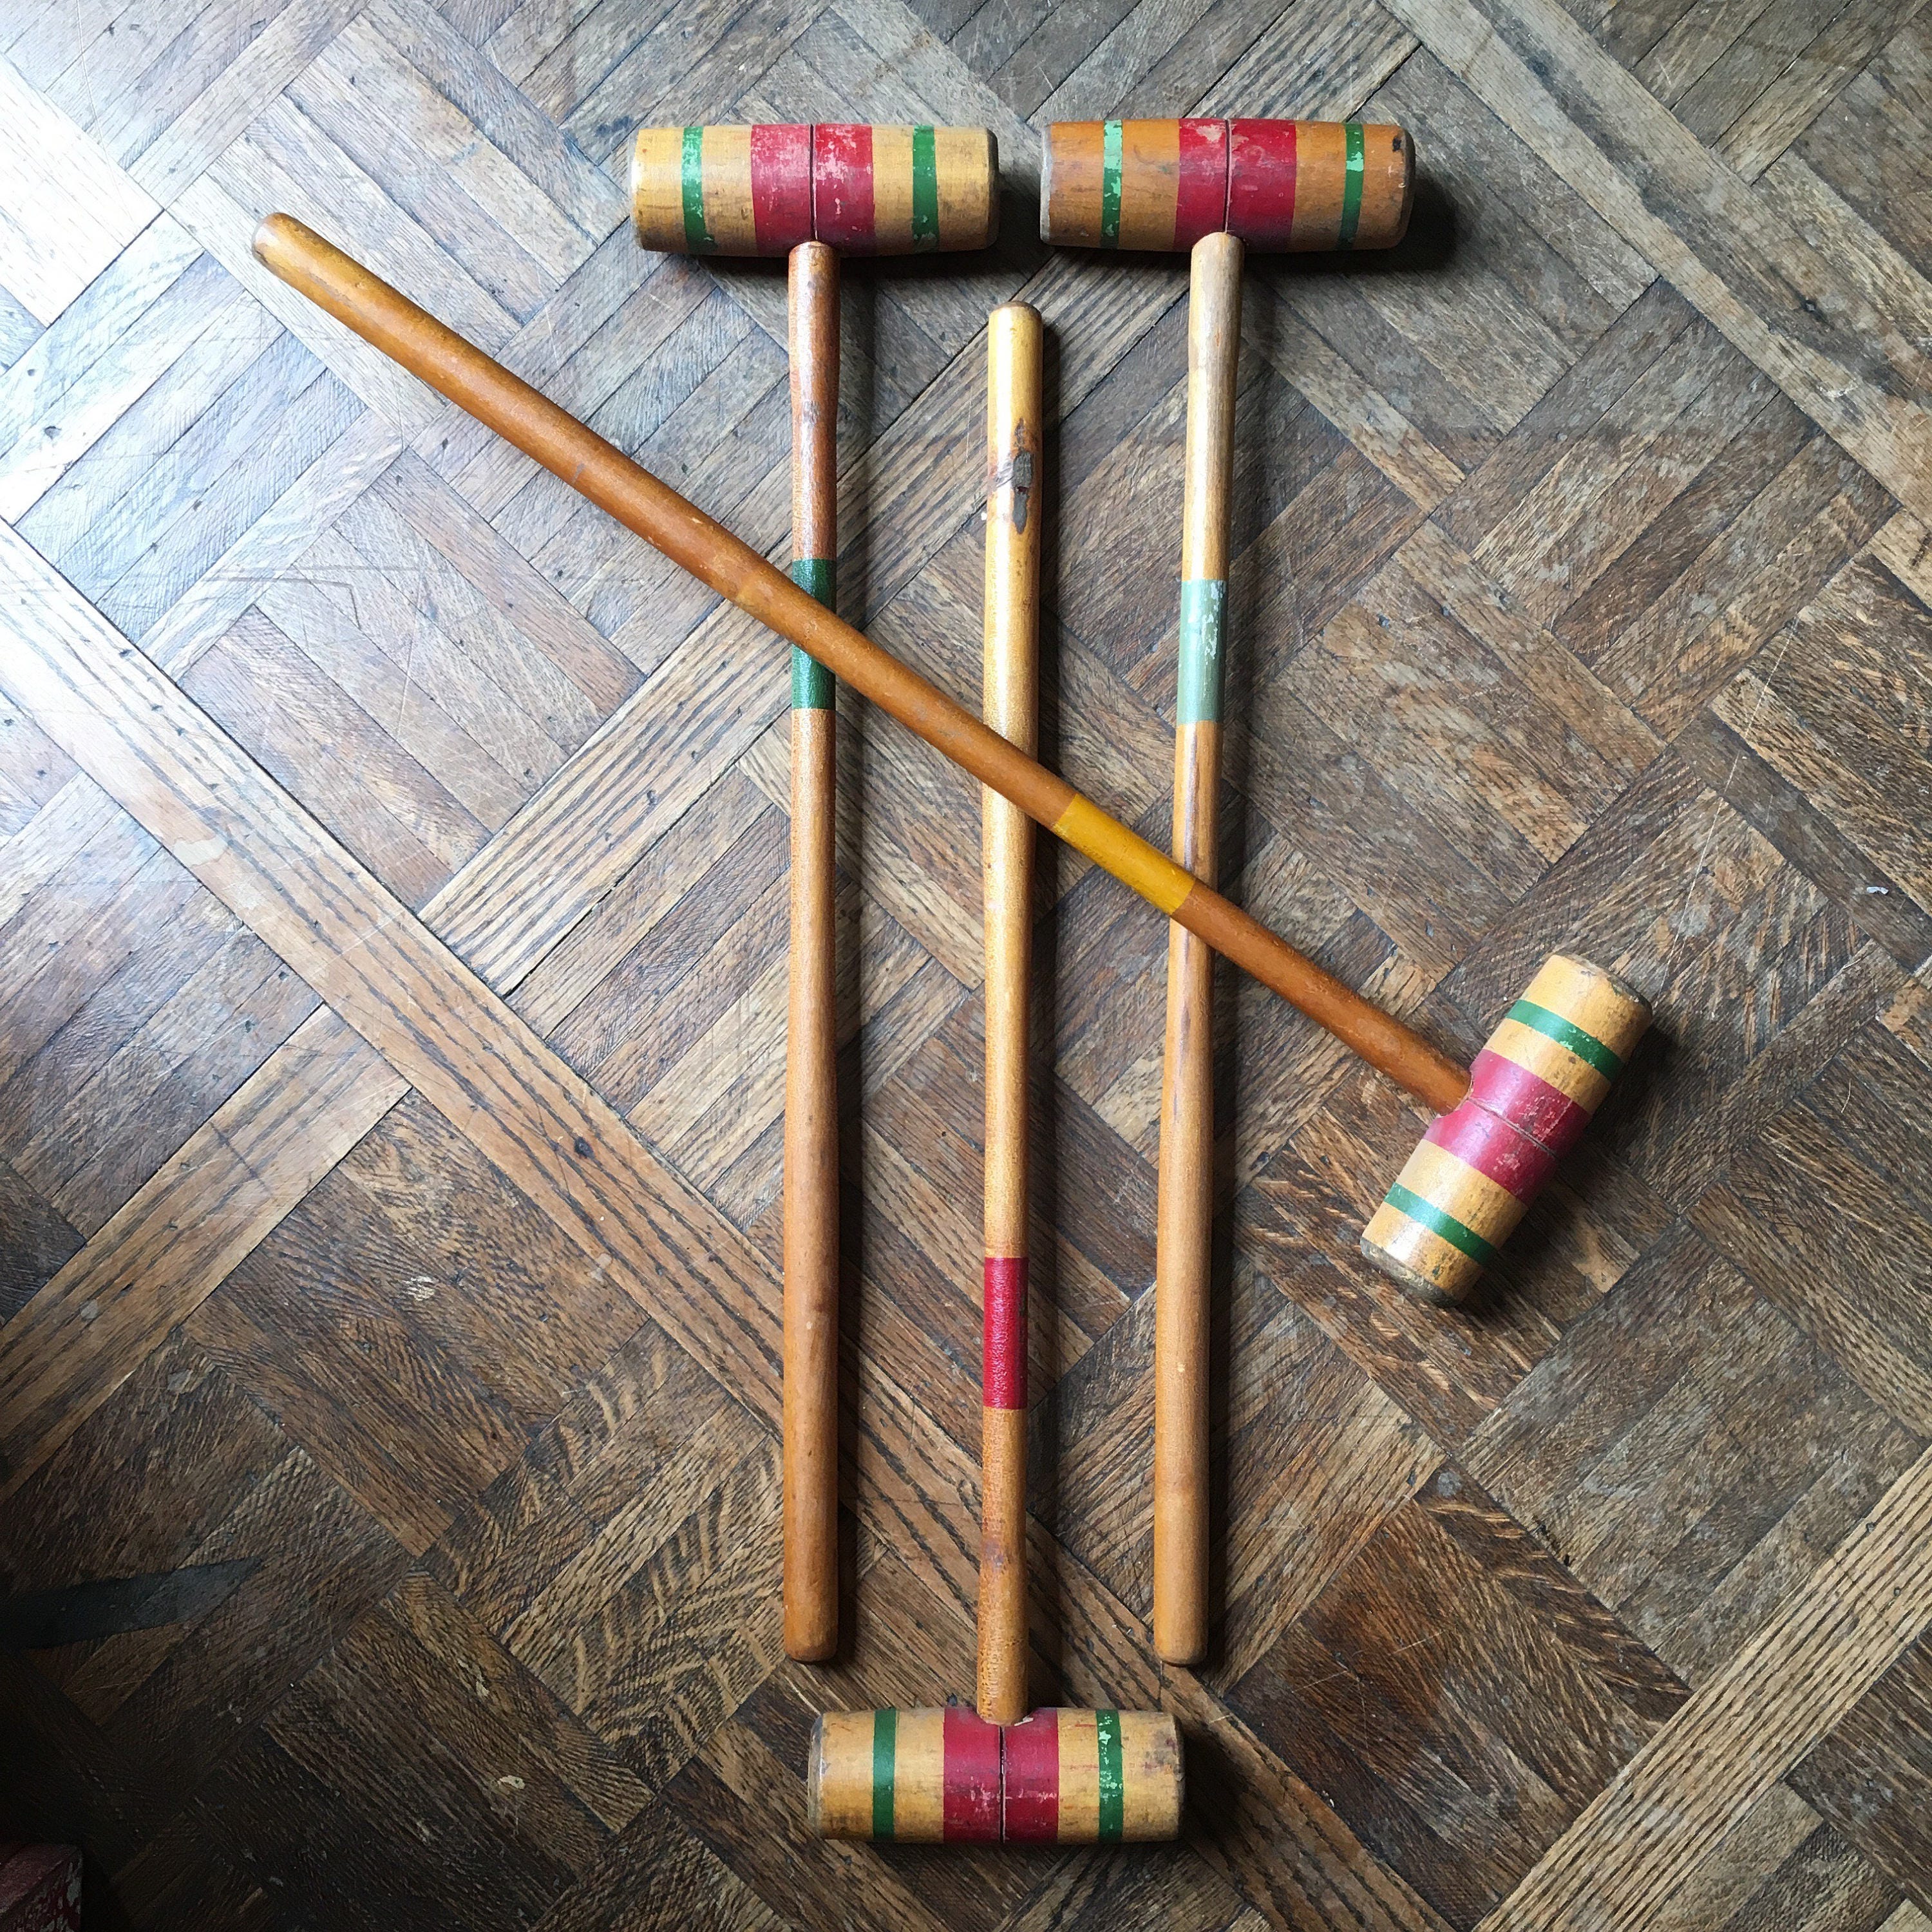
(1577, 596)
(1790, 1686)
(224, 806)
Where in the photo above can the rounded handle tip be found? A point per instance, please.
(278, 237)
(269, 230)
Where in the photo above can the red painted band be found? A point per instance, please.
(1260, 181)
(1488, 1143)
(781, 186)
(1527, 1102)
(969, 1780)
(1033, 1778)
(842, 184)
(1003, 1347)
(1201, 195)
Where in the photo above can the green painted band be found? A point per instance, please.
(812, 686)
(1110, 185)
(1447, 1225)
(696, 237)
(885, 1752)
(1112, 1777)
(1586, 1046)
(1351, 186)
(1204, 617)
(924, 190)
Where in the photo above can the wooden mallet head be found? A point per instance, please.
(1065, 1777)
(1532, 1090)
(863, 191)
(1274, 184)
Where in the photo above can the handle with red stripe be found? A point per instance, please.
(1013, 393)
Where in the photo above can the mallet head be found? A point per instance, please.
(1275, 184)
(1065, 1777)
(1532, 1090)
(864, 190)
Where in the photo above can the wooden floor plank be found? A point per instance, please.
(365, 953)
(1596, 128)
(1744, 1728)
(176, 1240)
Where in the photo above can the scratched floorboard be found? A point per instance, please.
(1580, 587)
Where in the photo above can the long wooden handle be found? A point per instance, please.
(811, 1046)
(1184, 1239)
(1013, 389)
(694, 541)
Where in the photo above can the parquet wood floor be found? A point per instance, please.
(392, 882)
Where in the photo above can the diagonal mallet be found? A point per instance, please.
(1547, 1068)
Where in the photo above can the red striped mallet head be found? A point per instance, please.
(1065, 1777)
(1276, 184)
(864, 190)
(1532, 1090)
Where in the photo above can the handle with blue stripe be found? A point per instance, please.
(1184, 1237)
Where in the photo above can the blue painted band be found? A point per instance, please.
(1204, 614)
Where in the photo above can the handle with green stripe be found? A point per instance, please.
(811, 1508)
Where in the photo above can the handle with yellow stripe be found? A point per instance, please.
(597, 470)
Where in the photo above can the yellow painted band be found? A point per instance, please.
(1128, 857)
(1588, 998)
(1446, 1181)
(1421, 1251)
(1148, 1791)
(918, 1777)
(657, 192)
(1150, 182)
(1538, 1053)
(891, 190)
(1321, 169)
(727, 190)
(1079, 1776)
(968, 195)
(845, 1774)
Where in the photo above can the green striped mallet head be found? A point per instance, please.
(946, 1775)
(862, 189)
(1277, 185)
(1532, 1091)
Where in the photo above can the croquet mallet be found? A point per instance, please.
(1576, 1009)
(1058, 1775)
(1214, 188)
(1218, 188)
(811, 192)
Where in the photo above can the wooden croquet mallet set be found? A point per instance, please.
(1216, 188)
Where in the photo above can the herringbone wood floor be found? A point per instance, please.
(390, 1016)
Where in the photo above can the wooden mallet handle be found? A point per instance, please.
(550, 436)
(811, 1046)
(1012, 708)
(1184, 1237)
